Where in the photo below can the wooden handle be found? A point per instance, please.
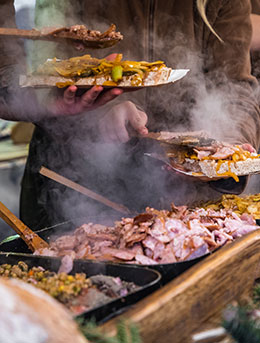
(78, 188)
(12, 32)
(33, 241)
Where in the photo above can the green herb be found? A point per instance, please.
(9, 239)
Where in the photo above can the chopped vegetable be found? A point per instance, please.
(86, 66)
(117, 73)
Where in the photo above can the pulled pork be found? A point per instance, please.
(155, 236)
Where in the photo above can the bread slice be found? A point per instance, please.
(154, 78)
(249, 166)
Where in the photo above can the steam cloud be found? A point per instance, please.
(77, 151)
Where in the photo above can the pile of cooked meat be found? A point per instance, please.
(155, 236)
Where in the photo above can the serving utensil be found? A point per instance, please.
(33, 241)
(62, 37)
(171, 166)
(83, 190)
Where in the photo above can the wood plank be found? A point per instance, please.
(83, 190)
(172, 313)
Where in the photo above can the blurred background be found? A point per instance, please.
(13, 136)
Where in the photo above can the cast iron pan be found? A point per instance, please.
(147, 279)
(168, 271)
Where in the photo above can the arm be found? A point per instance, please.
(228, 66)
(255, 42)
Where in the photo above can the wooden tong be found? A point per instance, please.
(83, 190)
(101, 42)
(33, 241)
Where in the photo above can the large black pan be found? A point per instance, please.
(168, 271)
(148, 280)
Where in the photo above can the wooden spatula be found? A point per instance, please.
(33, 241)
(57, 35)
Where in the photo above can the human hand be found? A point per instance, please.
(70, 104)
(113, 126)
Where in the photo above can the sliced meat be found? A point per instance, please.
(66, 265)
(120, 254)
(223, 153)
(144, 260)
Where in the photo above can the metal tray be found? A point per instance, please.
(168, 271)
(147, 279)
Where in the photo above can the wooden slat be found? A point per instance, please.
(173, 312)
(83, 190)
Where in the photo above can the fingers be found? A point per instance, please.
(111, 57)
(113, 125)
(138, 119)
(69, 95)
(248, 147)
(108, 96)
(88, 99)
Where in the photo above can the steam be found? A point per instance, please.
(73, 147)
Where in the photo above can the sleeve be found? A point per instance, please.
(15, 103)
(12, 53)
(228, 65)
(255, 6)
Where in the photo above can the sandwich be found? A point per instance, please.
(199, 155)
(86, 71)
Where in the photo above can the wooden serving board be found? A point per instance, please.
(172, 313)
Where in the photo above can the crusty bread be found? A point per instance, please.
(28, 315)
(154, 78)
(249, 166)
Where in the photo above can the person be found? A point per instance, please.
(12, 64)
(103, 151)
(255, 42)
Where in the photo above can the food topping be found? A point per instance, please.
(189, 157)
(112, 71)
(247, 204)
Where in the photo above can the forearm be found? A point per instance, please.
(243, 113)
(255, 42)
(21, 105)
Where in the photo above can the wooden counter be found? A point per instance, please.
(173, 312)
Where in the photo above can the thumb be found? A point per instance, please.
(111, 57)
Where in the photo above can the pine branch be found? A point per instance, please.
(126, 333)
(241, 326)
